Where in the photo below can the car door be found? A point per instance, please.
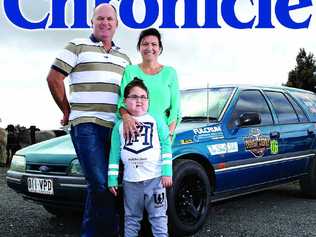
(295, 134)
(250, 165)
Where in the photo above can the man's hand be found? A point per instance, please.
(114, 191)
(64, 121)
(166, 181)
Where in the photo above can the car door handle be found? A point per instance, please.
(275, 135)
(310, 132)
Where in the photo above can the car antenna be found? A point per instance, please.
(207, 103)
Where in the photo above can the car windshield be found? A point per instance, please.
(204, 104)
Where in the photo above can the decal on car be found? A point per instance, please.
(207, 133)
(256, 143)
(222, 148)
(186, 141)
(312, 109)
(309, 101)
(274, 147)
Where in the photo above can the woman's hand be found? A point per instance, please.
(166, 181)
(172, 127)
(129, 126)
(114, 191)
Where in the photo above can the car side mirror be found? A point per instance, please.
(247, 119)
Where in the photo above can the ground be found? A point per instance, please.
(281, 211)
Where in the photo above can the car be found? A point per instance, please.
(233, 140)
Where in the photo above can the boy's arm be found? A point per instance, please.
(115, 154)
(165, 144)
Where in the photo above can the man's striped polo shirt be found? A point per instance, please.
(95, 77)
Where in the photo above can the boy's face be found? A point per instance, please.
(137, 101)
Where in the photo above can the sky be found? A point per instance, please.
(200, 56)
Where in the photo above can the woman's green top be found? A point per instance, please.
(163, 90)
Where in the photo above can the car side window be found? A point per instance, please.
(252, 101)
(284, 110)
(300, 113)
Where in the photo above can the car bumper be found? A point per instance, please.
(69, 191)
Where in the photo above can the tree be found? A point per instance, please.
(303, 75)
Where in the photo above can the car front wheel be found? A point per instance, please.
(188, 199)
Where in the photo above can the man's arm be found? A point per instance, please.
(56, 85)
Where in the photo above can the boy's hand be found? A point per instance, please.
(166, 181)
(113, 190)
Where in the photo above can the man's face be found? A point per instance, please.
(104, 22)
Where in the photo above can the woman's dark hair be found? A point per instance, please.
(136, 82)
(148, 32)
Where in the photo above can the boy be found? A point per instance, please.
(147, 163)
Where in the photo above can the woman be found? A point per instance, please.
(161, 81)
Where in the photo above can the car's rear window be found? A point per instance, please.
(308, 101)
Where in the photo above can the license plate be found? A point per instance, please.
(38, 185)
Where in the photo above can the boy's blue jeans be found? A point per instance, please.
(92, 145)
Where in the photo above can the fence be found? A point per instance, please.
(3, 146)
(14, 138)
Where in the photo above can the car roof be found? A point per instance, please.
(248, 86)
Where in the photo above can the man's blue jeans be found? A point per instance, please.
(92, 145)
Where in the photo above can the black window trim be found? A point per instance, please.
(274, 112)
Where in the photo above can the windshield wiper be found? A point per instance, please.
(197, 118)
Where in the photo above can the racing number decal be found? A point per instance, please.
(274, 147)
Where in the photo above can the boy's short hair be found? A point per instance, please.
(135, 82)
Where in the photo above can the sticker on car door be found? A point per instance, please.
(256, 143)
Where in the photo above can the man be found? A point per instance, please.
(95, 67)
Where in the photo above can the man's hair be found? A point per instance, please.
(136, 82)
(149, 32)
(106, 4)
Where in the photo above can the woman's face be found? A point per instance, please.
(149, 48)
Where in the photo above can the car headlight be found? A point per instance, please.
(18, 163)
(75, 168)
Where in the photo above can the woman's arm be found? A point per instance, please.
(175, 115)
(129, 123)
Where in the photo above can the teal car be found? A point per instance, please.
(232, 140)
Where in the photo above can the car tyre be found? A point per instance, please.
(188, 198)
(308, 183)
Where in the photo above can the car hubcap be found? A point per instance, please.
(191, 199)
